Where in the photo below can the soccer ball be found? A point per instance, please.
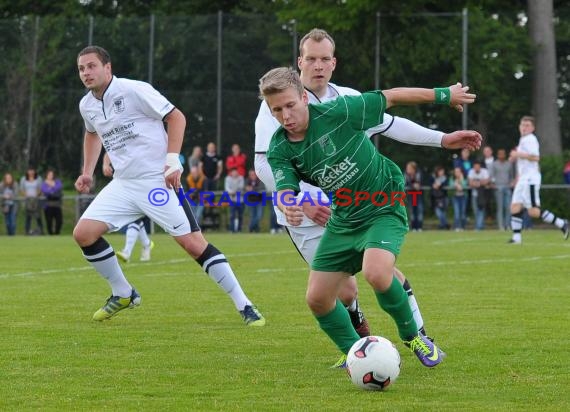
(373, 363)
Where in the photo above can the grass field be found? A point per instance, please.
(499, 311)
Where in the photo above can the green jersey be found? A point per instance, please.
(337, 156)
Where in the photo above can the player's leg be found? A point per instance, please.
(547, 216)
(181, 224)
(520, 199)
(306, 240)
(88, 235)
(131, 236)
(145, 241)
(412, 301)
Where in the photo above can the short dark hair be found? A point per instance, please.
(101, 53)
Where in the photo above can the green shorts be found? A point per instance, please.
(344, 252)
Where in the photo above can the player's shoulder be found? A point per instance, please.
(344, 91)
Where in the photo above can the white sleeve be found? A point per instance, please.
(406, 131)
(265, 126)
(153, 104)
(263, 171)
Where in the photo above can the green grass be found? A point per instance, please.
(499, 311)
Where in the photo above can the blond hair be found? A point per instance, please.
(528, 119)
(278, 80)
(317, 35)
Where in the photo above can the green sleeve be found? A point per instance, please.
(284, 172)
(366, 110)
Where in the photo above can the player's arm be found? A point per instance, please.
(91, 151)
(406, 131)
(454, 96)
(518, 154)
(176, 123)
(286, 202)
(107, 167)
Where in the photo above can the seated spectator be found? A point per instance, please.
(195, 180)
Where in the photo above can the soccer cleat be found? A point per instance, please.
(145, 252)
(359, 322)
(340, 363)
(565, 230)
(426, 351)
(115, 304)
(124, 256)
(363, 329)
(514, 242)
(251, 316)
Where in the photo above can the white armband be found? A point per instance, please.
(406, 131)
(173, 164)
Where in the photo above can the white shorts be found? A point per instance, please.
(123, 201)
(306, 240)
(526, 194)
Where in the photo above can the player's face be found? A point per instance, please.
(526, 127)
(94, 75)
(290, 110)
(317, 63)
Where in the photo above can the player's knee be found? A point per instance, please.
(348, 291)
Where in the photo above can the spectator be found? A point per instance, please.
(276, 228)
(478, 181)
(236, 160)
(463, 161)
(503, 178)
(458, 183)
(211, 167)
(254, 202)
(9, 192)
(195, 158)
(234, 184)
(52, 190)
(413, 178)
(439, 184)
(488, 160)
(31, 188)
(567, 173)
(195, 181)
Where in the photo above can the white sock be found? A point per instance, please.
(214, 263)
(131, 236)
(551, 218)
(413, 305)
(103, 259)
(143, 236)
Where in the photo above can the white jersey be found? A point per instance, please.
(129, 122)
(528, 171)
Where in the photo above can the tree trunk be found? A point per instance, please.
(544, 84)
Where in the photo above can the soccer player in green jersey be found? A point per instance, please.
(326, 145)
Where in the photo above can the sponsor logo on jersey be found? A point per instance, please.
(333, 177)
(119, 104)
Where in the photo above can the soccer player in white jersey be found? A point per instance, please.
(526, 193)
(316, 64)
(127, 118)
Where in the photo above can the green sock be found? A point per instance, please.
(395, 302)
(337, 325)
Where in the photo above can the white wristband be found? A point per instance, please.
(173, 164)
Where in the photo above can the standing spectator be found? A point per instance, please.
(236, 160)
(458, 183)
(439, 196)
(413, 178)
(195, 158)
(276, 228)
(464, 161)
(235, 184)
(195, 181)
(254, 202)
(211, 167)
(503, 178)
(52, 190)
(488, 160)
(31, 187)
(567, 173)
(478, 181)
(9, 192)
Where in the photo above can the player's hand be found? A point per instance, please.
(319, 214)
(293, 214)
(173, 179)
(83, 183)
(462, 139)
(107, 170)
(459, 96)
